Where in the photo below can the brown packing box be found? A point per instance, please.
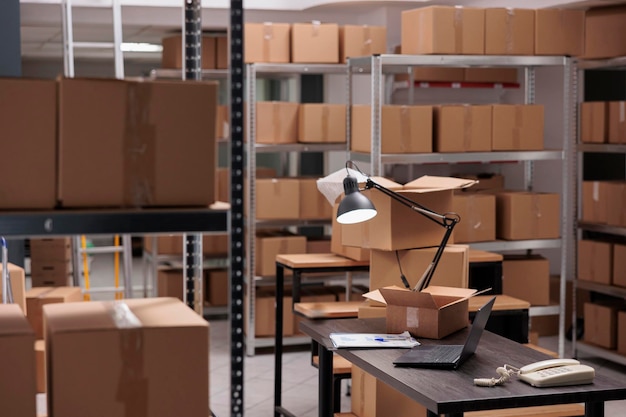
(601, 324)
(361, 40)
(37, 297)
(433, 313)
(616, 203)
(271, 243)
(315, 42)
(28, 109)
(173, 244)
(313, 204)
(396, 226)
(462, 128)
(621, 333)
(276, 122)
(223, 180)
(18, 285)
(50, 280)
(452, 270)
(116, 377)
(509, 31)
(549, 325)
(443, 30)
(318, 245)
(40, 365)
(619, 265)
(17, 361)
(221, 52)
(491, 75)
(478, 217)
(277, 198)
(222, 122)
(594, 201)
(593, 122)
(370, 397)
(559, 32)
(617, 122)
(52, 268)
(484, 181)
(172, 55)
(267, 42)
(372, 311)
(527, 215)
(595, 261)
(265, 313)
(527, 278)
(159, 154)
(53, 249)
(605, 33)
(517, 127)
(322, 123)
(216, 287)
(336, 245)
(404, 129)
(170, 282)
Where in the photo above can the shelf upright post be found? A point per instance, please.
(376, 114)
(237, 198)
(250, 197)
(348, 109)
(192, 62)
(529, 98)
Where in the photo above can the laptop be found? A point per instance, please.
(448, 356)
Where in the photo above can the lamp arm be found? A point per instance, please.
(430, 270)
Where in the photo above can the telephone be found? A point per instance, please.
(556, 372)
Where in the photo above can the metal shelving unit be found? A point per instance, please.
(282, 72)
(379, 66)
(618, 63)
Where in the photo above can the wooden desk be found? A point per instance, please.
(301, 264)
(453, 392)
(509, 317)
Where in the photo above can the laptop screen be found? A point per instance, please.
(478, 325)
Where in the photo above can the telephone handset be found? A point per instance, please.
(556, 372)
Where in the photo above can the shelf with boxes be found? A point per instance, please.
(601, 243)
(511, 143)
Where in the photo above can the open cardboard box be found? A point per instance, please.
(432, 313)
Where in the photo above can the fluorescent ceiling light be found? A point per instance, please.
(141, 47)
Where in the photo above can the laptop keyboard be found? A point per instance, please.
(445, 354)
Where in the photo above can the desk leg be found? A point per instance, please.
(296, 285)
(594, 409)
(278, 339)
(325, 382)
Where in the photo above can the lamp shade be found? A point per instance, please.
(355, 207)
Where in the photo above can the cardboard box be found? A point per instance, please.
(322, 123)
(617, 122)
(37, 297)
(619, 265)
(267, 42)
(336, 245)
(222, 122)
(116, 377)
(173, 53)
(549, 325)
(40, 365)
(478, 217)
(595, 261)
(18, 285)
(313, 204)
(443, 30)
(594, 201)
(28, 109)
(315, 42)
(616, 203)
(527, 278)
(17, 361)
(164, 148)
(369, 311)
(223, 180)
(462, 128)
(217, 287)
(509, 31)
(173, 244)
(50, 280)
(277, 198)
(318, 245)
(433, 74)
(397, 226)
(403, 129)
(605, 33)
(484, 181)
(361, 40)
(527, 215)
(433, 313)
(170, 282)
(452, 270)
(265, 313)
(621, 332)
(370, 397)
(51, 249)
(51, 269)
(491, 75)
(601, 324)
(559, 32)
(276, 122)
(517, 127)
(593, 122)
(272, 243)
(222, 55)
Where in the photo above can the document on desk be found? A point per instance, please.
(373, 340)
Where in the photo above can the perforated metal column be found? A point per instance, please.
(237, 263)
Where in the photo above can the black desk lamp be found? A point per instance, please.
(356, 208)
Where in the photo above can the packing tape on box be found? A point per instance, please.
(536, 208)
(509, 23)
(467, 126)
(366, 45)
(405, 128)
(268, 34)
(458, 29)
(325, 132)
(412, 317)
(315, 28)
(132, 387)
(276, 121)
(518, 127)
(621, 124)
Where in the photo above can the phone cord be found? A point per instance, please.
(505, 373)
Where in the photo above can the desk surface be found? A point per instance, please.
(503, 302)
(317, 260)
(444, 391)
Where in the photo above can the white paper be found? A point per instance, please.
(373, 340)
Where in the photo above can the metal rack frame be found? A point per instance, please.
(380, 65)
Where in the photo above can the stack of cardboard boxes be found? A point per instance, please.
(50, 262)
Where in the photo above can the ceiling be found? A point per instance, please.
(151, 20)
